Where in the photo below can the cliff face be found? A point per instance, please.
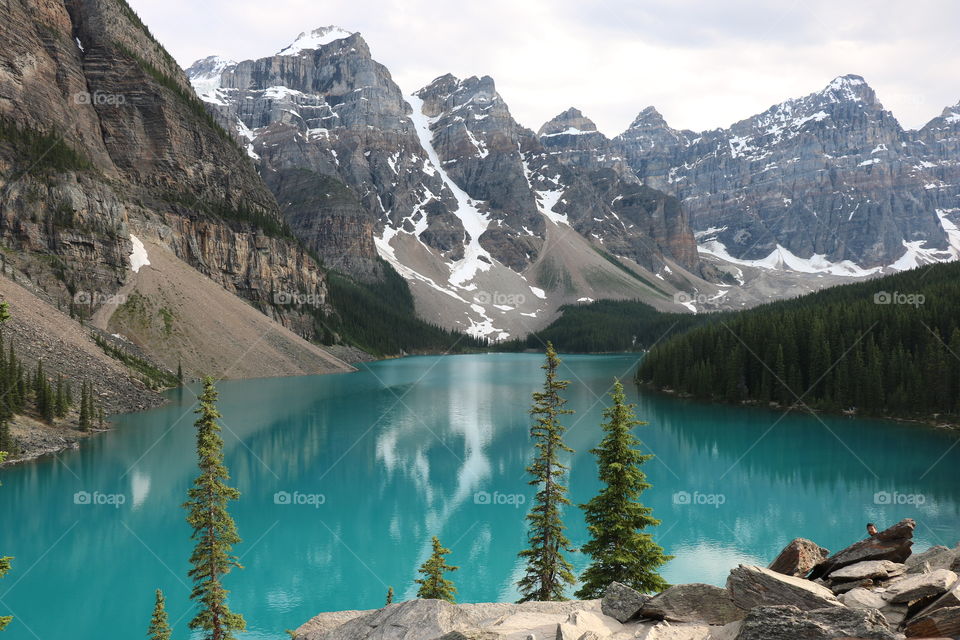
(102, 137)
(830, 174)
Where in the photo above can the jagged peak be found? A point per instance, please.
(205, 74)
(849, 88)
(649, 117)
(572, 122)
(312, 40)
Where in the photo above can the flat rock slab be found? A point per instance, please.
(790, 623)
(751, 587)
(921, 586)
(934, 558)
(860, 598)
(693, 603)
(868, 570)
(799, 557)
(890, 544)
(622, 603)
(942, 623)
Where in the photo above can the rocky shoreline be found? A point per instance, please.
(875, 589)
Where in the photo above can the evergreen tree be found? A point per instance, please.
(180, 371)
(159, 624)
(434, 585)
(214, 530)
(60, 406)
(389, 595)
(619, 549)
(85, 418)
(547, 571)
(68, 394)
(5, 560)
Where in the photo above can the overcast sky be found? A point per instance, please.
(702, 63)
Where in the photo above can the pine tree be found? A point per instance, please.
(85, 418)
(180, 371)
(214, 530)
(434, 585)
(389, 595)
(619, 549)
(68, 394)
(159, 624)
(60, 406)
(547, 571)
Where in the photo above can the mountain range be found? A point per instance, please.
(496, 226)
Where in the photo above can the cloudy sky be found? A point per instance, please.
(702, 63)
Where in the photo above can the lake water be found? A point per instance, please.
(346, 477)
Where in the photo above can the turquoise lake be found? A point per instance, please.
(345, 478)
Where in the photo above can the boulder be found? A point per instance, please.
(895, 614)
(862, 599)
(921, 586)
(948, 600)
(790, 623)
(942, 623)
(843, 587)
(751, 587)
(932, 559)
(890, 544)
(412, 620)
(693, 603)
(868, 570)
(622, 603)
(799, 557)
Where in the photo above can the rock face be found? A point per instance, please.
(868, 570)
(752, 587)
(798, 558)
(892, 544)
(925, 585)
(444, 185)
(832, 174)
(622, 603)
(942, 623)
(693, 603)
(791, 623)
(138, 154)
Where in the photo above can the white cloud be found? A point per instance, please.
(702, 63)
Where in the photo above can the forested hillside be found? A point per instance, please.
(608, 326)
(889, 346)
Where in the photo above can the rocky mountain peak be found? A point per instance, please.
(312, 40)
(572, 122)
(649, 117)
(849, 88)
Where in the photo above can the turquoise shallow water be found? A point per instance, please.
(345, 478)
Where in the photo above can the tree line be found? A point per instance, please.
(887, 347)
(35, 393)
(621, 548)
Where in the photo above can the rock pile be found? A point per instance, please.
(874, 589)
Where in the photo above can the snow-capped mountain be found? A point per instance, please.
(826, 183)
(493, 233)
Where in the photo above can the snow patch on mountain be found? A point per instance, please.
(476, 258)
(782, 259)
(314, 40)
(138, 257)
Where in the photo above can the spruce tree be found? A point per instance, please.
(159, 623)
(60, 407)
(85, 418)
(180, 371)
(548, 571)
(619, 549)
(214, 530)
(389, 595)
(434, 585)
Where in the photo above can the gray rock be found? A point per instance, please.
(622, 603)
(862, 599)
(799, 557)
(790, 623)
(693, 603)
(867, 570)
(751, 587)
(844, 587)
(938, 557)
(891, 544)
(948, 600)
(942, 623)
(921, 586)
(412, 620)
